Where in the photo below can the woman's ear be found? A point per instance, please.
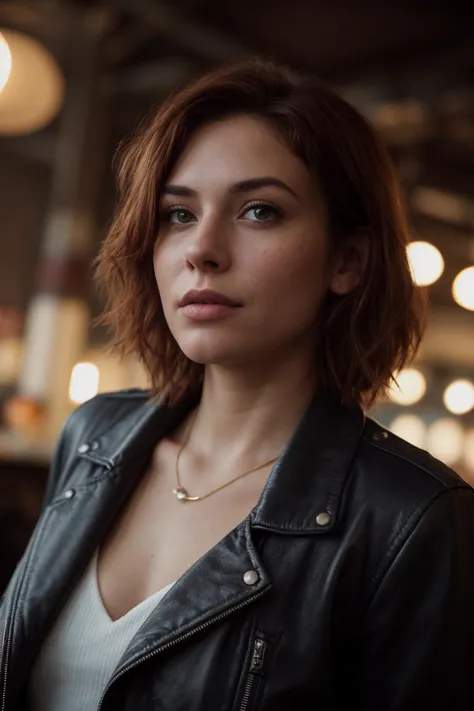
(350, 263)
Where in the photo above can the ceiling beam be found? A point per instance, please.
(184, 33)
(123, 43)
(151, 77)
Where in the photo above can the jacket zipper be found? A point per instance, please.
(182, 637)
(7, 638)
(255, 669)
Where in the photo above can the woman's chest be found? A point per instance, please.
(156, 538)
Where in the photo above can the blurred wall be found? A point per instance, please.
(24, 189)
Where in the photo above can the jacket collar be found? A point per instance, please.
(304, 489)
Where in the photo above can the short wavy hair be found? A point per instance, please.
(365, 336)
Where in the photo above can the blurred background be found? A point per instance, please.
(77, 76)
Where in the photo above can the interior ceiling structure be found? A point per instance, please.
(407, 64)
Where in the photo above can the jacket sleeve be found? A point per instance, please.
(54, 476)
(418, 638)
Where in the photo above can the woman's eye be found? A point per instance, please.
(262, 213)
(179, 216)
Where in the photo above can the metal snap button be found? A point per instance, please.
(250, 577)
(323, 518)
(380, 435)
(95, 445)
(83, 448)
(69, 494)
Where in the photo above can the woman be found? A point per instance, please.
(249, 539)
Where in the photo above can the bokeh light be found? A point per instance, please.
(410, 427)
(410, 389)
(446, 440)
(426, 262)
(458, 397)
(33, 92)
(84, 383)
(5, 62)
(463, 289)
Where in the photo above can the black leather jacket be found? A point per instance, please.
(363, 593)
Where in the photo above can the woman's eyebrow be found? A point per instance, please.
(241, 187)
(266, 181)
(178, 190)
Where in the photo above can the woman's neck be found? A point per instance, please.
(248, 415)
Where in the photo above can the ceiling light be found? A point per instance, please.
(459, 397)
(5, 62)
(463, 289)
(409, 388)
(426, 262)
(33, 88)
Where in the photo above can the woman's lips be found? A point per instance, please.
(208, 312)
(207, 305)
(207, 296)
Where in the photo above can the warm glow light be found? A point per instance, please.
(441, 204)
(411, 387)
(34, 92)
(5, 62)
(446, 440)
(84, 383)
(463, 289)
(410, 427)
(426, 262)
(458, 397)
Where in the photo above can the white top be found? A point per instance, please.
(82, 650)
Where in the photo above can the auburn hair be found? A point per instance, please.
(366, 336)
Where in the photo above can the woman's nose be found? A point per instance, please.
(208, 248)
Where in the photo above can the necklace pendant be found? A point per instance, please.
(180, 494)
(183, 495)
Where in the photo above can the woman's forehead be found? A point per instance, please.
(237, 149)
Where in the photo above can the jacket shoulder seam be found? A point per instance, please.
(431, 471)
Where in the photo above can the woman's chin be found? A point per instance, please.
(213, 354)
(209, 357)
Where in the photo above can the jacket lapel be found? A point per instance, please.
(227, 578)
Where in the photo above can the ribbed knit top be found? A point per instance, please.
(82, 650)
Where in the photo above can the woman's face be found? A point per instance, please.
(241, 216)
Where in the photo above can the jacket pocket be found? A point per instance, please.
(254, 673)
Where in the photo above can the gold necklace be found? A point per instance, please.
(182, 494)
